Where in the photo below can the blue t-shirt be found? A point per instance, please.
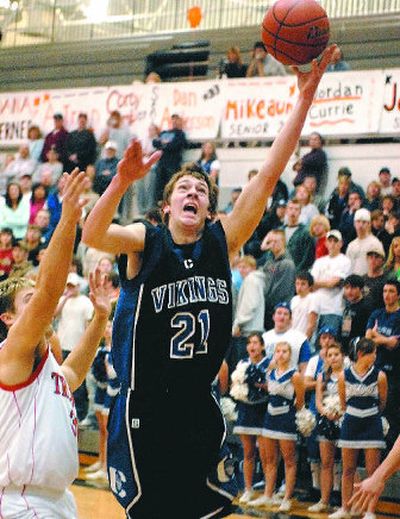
(388, 324)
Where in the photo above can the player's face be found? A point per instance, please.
(189, 202)
(254, 347)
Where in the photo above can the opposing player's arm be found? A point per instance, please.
(248, 210)
(298, 384)
(78, 362)
(27, 329)
(98, 231)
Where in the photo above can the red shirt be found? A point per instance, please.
(6, 261)
(320, 247)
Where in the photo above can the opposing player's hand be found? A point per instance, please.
(100, 294)
(134, 166)
(73, 201)
(366, 494)
(308, 81)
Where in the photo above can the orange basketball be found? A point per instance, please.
(295, 31)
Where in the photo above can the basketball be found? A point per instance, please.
(295, 31)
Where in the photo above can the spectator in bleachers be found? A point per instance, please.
(356, 311)
(54, 204)
(388, 205)
(36, 142)
(6, 257)
(146, 186)
(385, 181)
(304, 306)
(319, 227)
(235, 193)
(338, 64)
(299, 242)
(392, 266)
(375, 278)
(263, 64)
(358, 248)
(279, 273)
(57, 138)
(308, 209)
(372, 199)
(233, 66)
(209, 161)
(172, 142)
(392, 225)
(25, 183)
(396, 190)
(20, 266)
(15, 212)
(338, 201)
(33, 243)
(42, 220)
(117, 132)
(22, 165)
(328, 273)
(346, 223)
(378, 229)
(106, 168)
(48, 173)
(310, 183)
(81, 146)
(37, 201)
(314, 163)
(353, 186)
(152, 77)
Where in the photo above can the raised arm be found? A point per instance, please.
(249, 208)
(98, 231)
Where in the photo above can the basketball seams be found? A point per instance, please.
(291, 42)
(281, 22)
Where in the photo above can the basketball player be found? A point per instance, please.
(173, 324)
(38, 424)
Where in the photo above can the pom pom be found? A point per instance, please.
(331, 404)
(245, 380)
(239, 392)
(305, 422)
(385, 426)
(228, 408)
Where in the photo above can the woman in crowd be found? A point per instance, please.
(373, 196)
(37, 201)
(36, 142)
(319, 227)
(392, 265)
(308, 209)
(233, 66)
(208, 160)
(15, 213)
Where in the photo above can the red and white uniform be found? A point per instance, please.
(38, 445)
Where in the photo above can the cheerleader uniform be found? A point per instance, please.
(251, 415)
(362, 423)
(280, 419)
(331, 389)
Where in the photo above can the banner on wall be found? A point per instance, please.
(347, 103)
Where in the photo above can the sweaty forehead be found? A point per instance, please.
(191, 180)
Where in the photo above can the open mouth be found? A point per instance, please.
(190, 208)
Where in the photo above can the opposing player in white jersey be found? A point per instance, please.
(38, 425)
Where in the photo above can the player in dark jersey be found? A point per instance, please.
(173, 324)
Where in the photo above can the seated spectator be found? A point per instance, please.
(346, 224)
(308, 209)
(392, 225)
(392, 266)
(314, 163)
(338, 64)
(304, 306)
(310, 183)
(378, 229)
(385, 181)
(6, 256)
(345, 171)
(25, 183)
(300, 244)
(372, 199)
(375, 278)
(263, 64)
(388, 205)
(3, 178)
(42, 220)
(338, 200)
(233, 66)
(33, 243)
(49, 171)
(15, 212)
(37, 201)
(36, 142)
(21, 266)
(22, 165)
(358, 248)
(396, 190)
(235, 193)
(208, 160)
(106, 168)
(319, 227)
(54, 204)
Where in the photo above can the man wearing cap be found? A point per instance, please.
(375, 278)
(263, 64)
(106, 168)
(283, 332)
(356, 311)
(358, 248)
(81, 146)
(57, 138)
(384, 180)
(328, 273)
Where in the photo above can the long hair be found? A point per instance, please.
(8, 199)
(391, 258)
(328, 370)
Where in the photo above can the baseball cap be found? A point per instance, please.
(395, 179)
(376, 250)
(385, 169)
(334, 233)
(111, 145)
(283, 304)
(327, 330)
(281, 203)
(58, 115)
(73, 279)
(362, 215)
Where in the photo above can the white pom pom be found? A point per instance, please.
(305, 422)
(331, 404)
(239, 392)
(385, 426)
(228, 408)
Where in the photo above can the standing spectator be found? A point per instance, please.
(36, 142)
(314, 163)
(32, 242)
(81, 146)
(20, 266)
(106, 168)
(346, 224)
(388, 206)
(25, 183)
(396, 190)
(375, 278)
(48, 173)
(233, 66)
(308, 209)
(299, 242)
(209, 161)
(22, 165)
(263, 64)
(358, 248)
(373, 196)
(6, 256)
(15, 212)
(378, 229)
(319, 227)
(356, 311)
(338, 201)
(172, 142)
(392, 266)
(37, 201)
(384, 180)
(146, 187)
(311, 184)
(57, 138)
(235, 193)
(328, 273)
(42, 220)
(392, 226)
(116, 131)
(304, 305)
(345, 171)
(279, 273)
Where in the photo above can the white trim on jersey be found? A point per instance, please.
(356, 444)
(135, 321)
(278, 435)
(241, 429)
(133, 461)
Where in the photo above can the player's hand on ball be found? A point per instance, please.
(133, 166)
(99, 293)
(308, 81)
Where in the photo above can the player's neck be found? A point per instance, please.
(183, 235)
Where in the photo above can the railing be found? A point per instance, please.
(47, 21)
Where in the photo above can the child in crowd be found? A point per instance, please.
(363, 392)
(304, 305)
(327, 426)
(251, 416)
(286, 395)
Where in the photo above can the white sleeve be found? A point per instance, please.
(311, 367)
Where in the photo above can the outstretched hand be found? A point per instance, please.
(100, 294)
(75, 185)
(133, 166)
(366, 494)
(308, 81)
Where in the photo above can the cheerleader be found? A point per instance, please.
(251, 416)
(286, 395)
(328, 430)
(363, 391)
